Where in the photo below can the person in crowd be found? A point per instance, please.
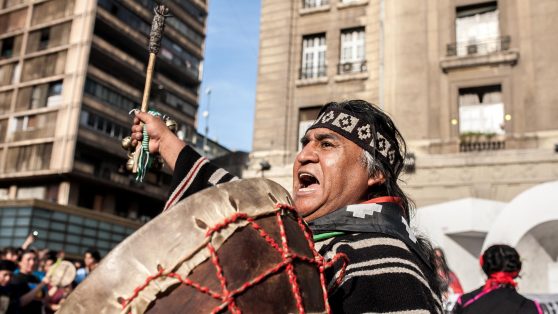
(449, 283)
(9, 301)
(345, 185)
(501, 264)
(10, 253)
(91, 259)
(27, 285)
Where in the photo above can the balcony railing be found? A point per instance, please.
(481, 145)
(483, 47)
(310, 4)
(352, 67)
(312, 72)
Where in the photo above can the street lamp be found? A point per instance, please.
(206, 117)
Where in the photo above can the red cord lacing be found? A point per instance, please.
(287, 259)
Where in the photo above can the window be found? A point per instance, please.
(51, 10)
(313, 56)
(352, 51)
(481, 110)
(7, 47)
(28, 158)
(104, 125)
(43, 38)
(33, 126)
(314, 3)
(477, 29)
(5, 101)
(109, 95)
(39, 96)
(44, 66)
(49, 37)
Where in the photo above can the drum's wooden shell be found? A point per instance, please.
(175, 241)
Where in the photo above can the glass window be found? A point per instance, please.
(477, 28)
(74, 229)
(352, 51)
(314, 3)
(7, 47)
(313, 56)
(6, 231)
(59, 216)
(481, 110)
(39, 222)
(76, 219)
(21, 231)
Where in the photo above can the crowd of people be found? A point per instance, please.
(26, 284)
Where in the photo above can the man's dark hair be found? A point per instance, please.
(7, 265)
(20, 256)
(94, 253)
(382, 124)
(500, 257)
(51, 256)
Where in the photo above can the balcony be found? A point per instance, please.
(478, 142)
(490, 51)
(312, 75)
(352, 67)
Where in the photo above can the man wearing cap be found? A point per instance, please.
(345, 185)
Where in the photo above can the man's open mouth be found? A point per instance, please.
(307, 180)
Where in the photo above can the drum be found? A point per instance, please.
(61, 273)
(238, 247)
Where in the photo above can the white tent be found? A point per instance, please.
(460, 228)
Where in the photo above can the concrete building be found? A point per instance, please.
(470, 83)
(70, 71)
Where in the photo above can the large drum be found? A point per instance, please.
(238, 247)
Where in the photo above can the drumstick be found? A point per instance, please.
(157, 27)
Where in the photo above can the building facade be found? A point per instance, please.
(70, 72)
(469, 83)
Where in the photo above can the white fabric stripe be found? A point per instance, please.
(401, 312)
(368, 242)
(378, 262)
(391, 270)
(188, 179)
(217, 176)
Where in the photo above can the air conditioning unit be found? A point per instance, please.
(472, 49)
(347, 67)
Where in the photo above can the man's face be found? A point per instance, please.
(5, 277)
(28, 263)
(328, 173)
(88, 260)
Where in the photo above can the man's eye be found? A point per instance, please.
(326, 144)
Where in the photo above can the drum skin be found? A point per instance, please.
(176, 241)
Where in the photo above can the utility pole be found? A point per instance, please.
(206, 116)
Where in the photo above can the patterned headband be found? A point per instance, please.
(360, 131)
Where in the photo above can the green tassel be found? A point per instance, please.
(145, 160)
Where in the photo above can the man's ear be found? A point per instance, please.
(376, 179)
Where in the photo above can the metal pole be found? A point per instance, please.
(206, 116)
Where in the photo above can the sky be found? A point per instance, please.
(230, 72)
